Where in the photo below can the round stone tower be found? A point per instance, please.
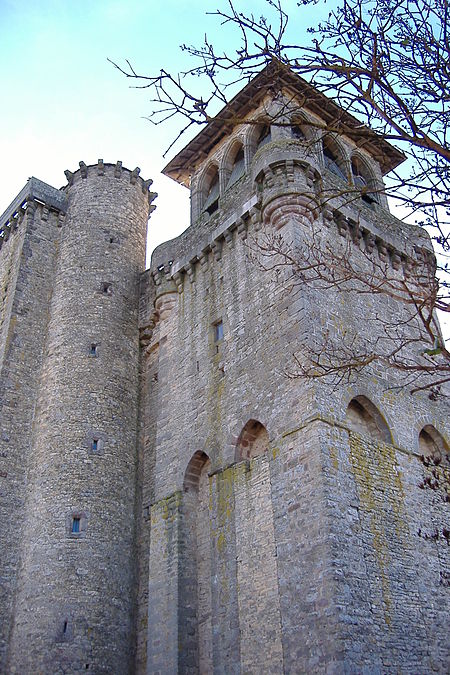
(75, 599)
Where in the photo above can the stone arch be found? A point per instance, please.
(335, 156)
(364, 178)
(432, 444)
(364, 418)
(233, 163)
(301, 128)
(193, 471)
(253, 441)
(208, 188)
(258, 134)
(195, 599)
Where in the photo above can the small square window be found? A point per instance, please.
(76, 524)
(218, 331)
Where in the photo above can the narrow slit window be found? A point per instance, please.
(95, 445)
(218, 331)
(212, 198)
(75, 525)
(93, 349)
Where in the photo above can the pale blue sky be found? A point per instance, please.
(63, 102)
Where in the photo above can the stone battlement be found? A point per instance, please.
(113, 170)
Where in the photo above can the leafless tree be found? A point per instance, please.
(387, 64)
(403, 333)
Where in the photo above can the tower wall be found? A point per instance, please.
(29, 247)
(317, 559)
(75, 600)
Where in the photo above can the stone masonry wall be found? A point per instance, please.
(27, 261)
(76, 590)
(316, 564)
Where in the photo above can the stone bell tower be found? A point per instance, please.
(282, 519)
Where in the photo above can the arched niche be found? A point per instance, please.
(209, 190)
(298, 132)
(264, 136)
(432, 445)
(234, 163)
(300, 128)
(364, 180)
(253, 441)
(194, 470)
(195, 600)
(334, 157)
(365, 419)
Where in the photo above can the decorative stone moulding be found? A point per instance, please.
(280, 210)
(164, 305)
(365, 239)
(276, 212)
(216, 248)
(146, 333)
(178, 279)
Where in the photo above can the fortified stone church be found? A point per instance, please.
(171, 501)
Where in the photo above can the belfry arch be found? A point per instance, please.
(253, 441)
(432, 445)
(365, 418)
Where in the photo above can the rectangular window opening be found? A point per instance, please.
(218, 331)
(95, 444)
(75, 525)
(93, 349)
(213, 207)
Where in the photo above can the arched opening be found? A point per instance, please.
(195, 626)
(194, 471)
(333, 159)
(264, 136)
(433, 446)
(298, 131)
(365, 419)
(237, 167)
(253, 441)
(211, 191)
(363, 180)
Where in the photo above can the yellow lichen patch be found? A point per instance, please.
(275, 452)
(221, 542)
(334, 457)
(381, 497)
(225, 494)
(167, 509)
